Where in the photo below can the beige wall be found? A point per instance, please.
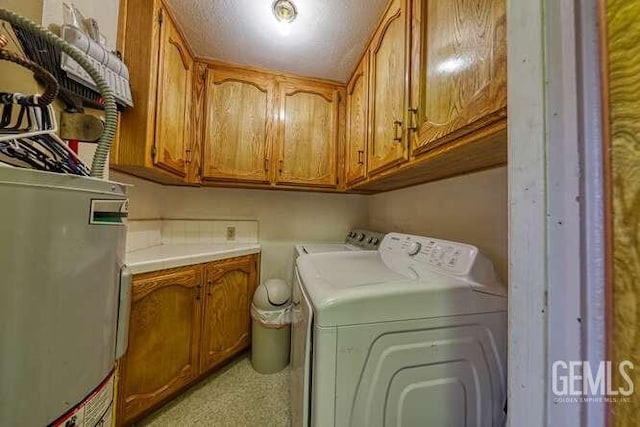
(470, 208)
(145, 197)
(284, 217)
(103, 11)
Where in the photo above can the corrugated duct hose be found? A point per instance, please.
(110, 110)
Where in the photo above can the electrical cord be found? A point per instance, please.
(50, 83)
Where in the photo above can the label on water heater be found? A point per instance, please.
(95, 410)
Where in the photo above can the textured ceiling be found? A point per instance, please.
(325, 41)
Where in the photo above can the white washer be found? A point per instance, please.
(356, 240)
(413, 334)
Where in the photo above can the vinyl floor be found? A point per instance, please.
(237, 396)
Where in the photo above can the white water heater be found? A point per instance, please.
(64, 297)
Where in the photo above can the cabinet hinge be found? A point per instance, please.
(160, 16)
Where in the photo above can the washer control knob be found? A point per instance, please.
(376, 241)
(370, 241)
(361, 237)
(414, 248)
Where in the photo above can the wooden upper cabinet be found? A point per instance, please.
(164, 338)
(308, 134)
(458, 72)
(387, 143)
(175, 70)
(238, 125)
(357, 109)
(437, 86)
(154, 138)
(229, 290)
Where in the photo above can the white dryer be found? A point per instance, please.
(413, 334)
(355, 240)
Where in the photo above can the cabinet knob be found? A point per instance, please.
(360, 157)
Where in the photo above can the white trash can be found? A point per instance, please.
(271, 326)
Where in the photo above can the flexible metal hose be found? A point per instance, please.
(110, 109)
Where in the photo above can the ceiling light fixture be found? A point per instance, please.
(285, 11)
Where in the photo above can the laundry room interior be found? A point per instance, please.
(313, 212)
(437, 209)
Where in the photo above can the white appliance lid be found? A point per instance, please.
(312, 248)
(342, 271)
(358, 287)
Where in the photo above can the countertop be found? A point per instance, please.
(178, 255)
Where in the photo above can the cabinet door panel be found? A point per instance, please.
(162, 356)
(388, 80)
(238, 127)
(229, 289)
(357, 108)
(174, 89)
(197, 120)
(308, 135)
(459, 69)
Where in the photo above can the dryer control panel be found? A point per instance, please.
(452, 257)
(421, 257)
(365, 239)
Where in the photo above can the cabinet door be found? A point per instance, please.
(387, 145)
(308, 131)
(228, 293)
(164, 338)
(458, 77)
(174, 94)
(357, 108)
(239, 126)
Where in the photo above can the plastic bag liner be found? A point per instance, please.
(275, 319)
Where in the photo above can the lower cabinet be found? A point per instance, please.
(229, 290)
(184, 322)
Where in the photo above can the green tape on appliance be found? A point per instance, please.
(109, 212)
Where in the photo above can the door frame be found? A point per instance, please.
(556, 206)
